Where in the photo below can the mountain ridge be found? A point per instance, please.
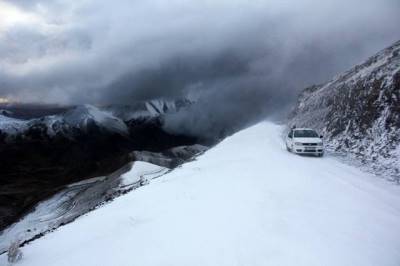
(41, 155)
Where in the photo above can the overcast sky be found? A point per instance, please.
(226, 52)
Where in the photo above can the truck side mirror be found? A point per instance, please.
(321, 137)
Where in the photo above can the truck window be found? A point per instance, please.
(305, 134)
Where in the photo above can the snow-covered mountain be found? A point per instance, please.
(85, 119)
(76, 121)
(148, 109)
(83, 116)
(358, 112)
(41, 155)
(237, 204)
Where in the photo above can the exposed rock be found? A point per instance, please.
(359, 112)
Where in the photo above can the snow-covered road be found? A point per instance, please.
(245, 202)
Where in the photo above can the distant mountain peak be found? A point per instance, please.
(81, 116)
(148, 109)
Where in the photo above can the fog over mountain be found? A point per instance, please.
(241, 60)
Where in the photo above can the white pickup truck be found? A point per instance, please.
(305, 141)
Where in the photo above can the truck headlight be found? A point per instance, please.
(298, 143)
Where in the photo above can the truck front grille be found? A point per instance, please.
(309, 144)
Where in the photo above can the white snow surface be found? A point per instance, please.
(140, 170)
(73, 201)
(245, 202)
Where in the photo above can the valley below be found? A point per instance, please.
(44, 153)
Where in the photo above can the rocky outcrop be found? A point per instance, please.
(359, 112)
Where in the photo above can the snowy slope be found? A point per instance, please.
(77, 199)
(245, 202)
(359, 112)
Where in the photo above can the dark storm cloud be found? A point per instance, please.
(174, 77)
(240, 59)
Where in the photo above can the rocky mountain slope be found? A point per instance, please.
(82, 119)
(71, 124)
(146, 109)
(359, 112)
(40, 155)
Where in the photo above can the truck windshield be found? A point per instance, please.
(305, 134)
